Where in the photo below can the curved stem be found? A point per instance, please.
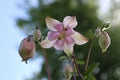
(74, 77)
(47, 65)
(89, 52)
(75, 63)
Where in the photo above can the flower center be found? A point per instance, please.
(62, 34)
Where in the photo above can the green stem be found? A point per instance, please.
(89, 52)
(47, 65)
(75, 63)
(74, 70)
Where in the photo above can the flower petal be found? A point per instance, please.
(70, 22)
(47, 43)
(69, 31)
(52, 35)
(79, 39)
(69, 40)
(68, 45)
(68, 49)
(51, 23)
(59, 45)
(59, 27)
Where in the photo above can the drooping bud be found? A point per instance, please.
(104, 41)
(67, 71)
(37, 34)
(27, 48)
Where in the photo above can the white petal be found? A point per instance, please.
(68, 49)
(51, 23)
(70, 22)
(47, 43)
(79, 38)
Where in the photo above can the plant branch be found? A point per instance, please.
(47, 65)
(89, 52)
(75, 63)
(74, 77)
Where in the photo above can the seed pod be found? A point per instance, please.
(37, 34)
(104, 41)
(27, 48)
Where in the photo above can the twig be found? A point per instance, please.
(79, 74)
(88, 56)
(74, 77)
(47, 65)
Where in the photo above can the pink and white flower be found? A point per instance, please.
(62, 36)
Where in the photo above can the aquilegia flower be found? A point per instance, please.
(62, 36)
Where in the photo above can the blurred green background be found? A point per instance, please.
(89, 17)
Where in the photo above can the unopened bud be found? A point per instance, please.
(104, 41)
(68, 69)
(37, 34)
(27, 48)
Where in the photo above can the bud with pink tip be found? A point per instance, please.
(37, 34)
(27, 48)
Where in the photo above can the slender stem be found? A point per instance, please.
(47, 65)
(89, 52)
(75, 63)
(74, 77)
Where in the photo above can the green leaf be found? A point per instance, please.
(80, 62)
(91, 69)
(62, 58)
(91, 78)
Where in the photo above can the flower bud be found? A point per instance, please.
(68, 70)
(37, 34)
(104, 41)
(27, 48)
